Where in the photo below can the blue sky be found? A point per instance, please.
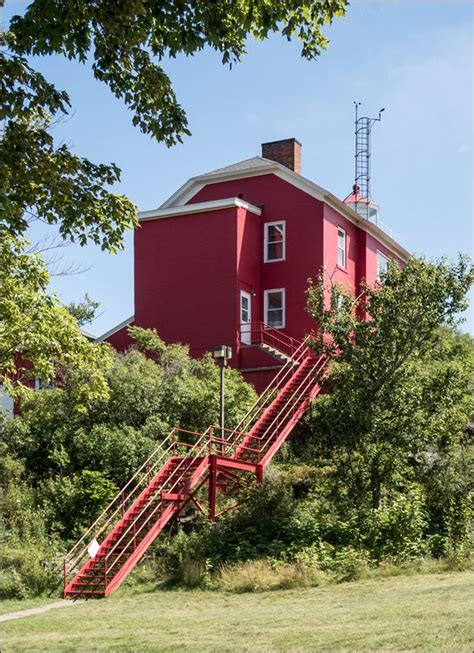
(412, 57)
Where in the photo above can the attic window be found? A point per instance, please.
(274, 245)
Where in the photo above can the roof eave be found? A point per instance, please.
(115, 329)
(198, 207)
(183, 193)
(195, 184)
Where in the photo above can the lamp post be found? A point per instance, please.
(222, 353)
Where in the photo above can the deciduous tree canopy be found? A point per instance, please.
(127, 43)
(401, 386)
(38, 335)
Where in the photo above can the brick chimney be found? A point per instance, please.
(286, 152)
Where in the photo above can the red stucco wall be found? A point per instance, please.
(120, 340)
(189, 270)
(304, 242)
(185, 278)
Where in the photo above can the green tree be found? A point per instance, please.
(43, 181)
(38, 335)
(400, 381)
(145, 399)
(127, 43)
(85, 311)
(63, 463)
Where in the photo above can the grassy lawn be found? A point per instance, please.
(425, 613)
(12, 605)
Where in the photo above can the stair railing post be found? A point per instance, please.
(105, 573)
(64, 574)
(123, 503)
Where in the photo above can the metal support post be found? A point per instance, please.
(212, 487)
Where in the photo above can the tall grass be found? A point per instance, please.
(268, 574)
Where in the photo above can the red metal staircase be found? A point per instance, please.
(172, 479)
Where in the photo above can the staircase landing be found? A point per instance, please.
(189, 471)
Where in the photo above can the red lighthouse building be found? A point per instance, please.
(225, 261)
(232, 250)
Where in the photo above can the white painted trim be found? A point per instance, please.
(245, 327)
(381, 254)
(195, 184)
(116, 328)
(199, 207)
(341, 229)
(265, 241)
(265, 306)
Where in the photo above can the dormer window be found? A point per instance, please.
(274, 242)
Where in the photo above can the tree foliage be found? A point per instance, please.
(40, 180)
(128, 39)
(126, 43)
(145, 399)
(38, 335)
(85, 311)
(401, 387)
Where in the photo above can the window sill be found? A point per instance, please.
(339, 267)
(275, 260)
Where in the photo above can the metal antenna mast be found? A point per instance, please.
(363, 127)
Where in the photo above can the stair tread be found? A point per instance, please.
(173, 483)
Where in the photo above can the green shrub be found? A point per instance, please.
(30, 561)
(71, 503)
(29, 569)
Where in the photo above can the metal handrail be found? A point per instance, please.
(224, 443)
(121, 499)
(203, 440)
(124, 502)
(278, 418)
(206, 444)
(262, 402)
(300, 389)
(260, 332)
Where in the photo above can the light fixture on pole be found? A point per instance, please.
(222, 353)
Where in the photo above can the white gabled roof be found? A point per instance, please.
(116, 328)
(246, 164)
(247, 168)
(256, 166)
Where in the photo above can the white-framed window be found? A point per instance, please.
(341, 247)
(274, 241)
(382, 264)
(274, 307)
